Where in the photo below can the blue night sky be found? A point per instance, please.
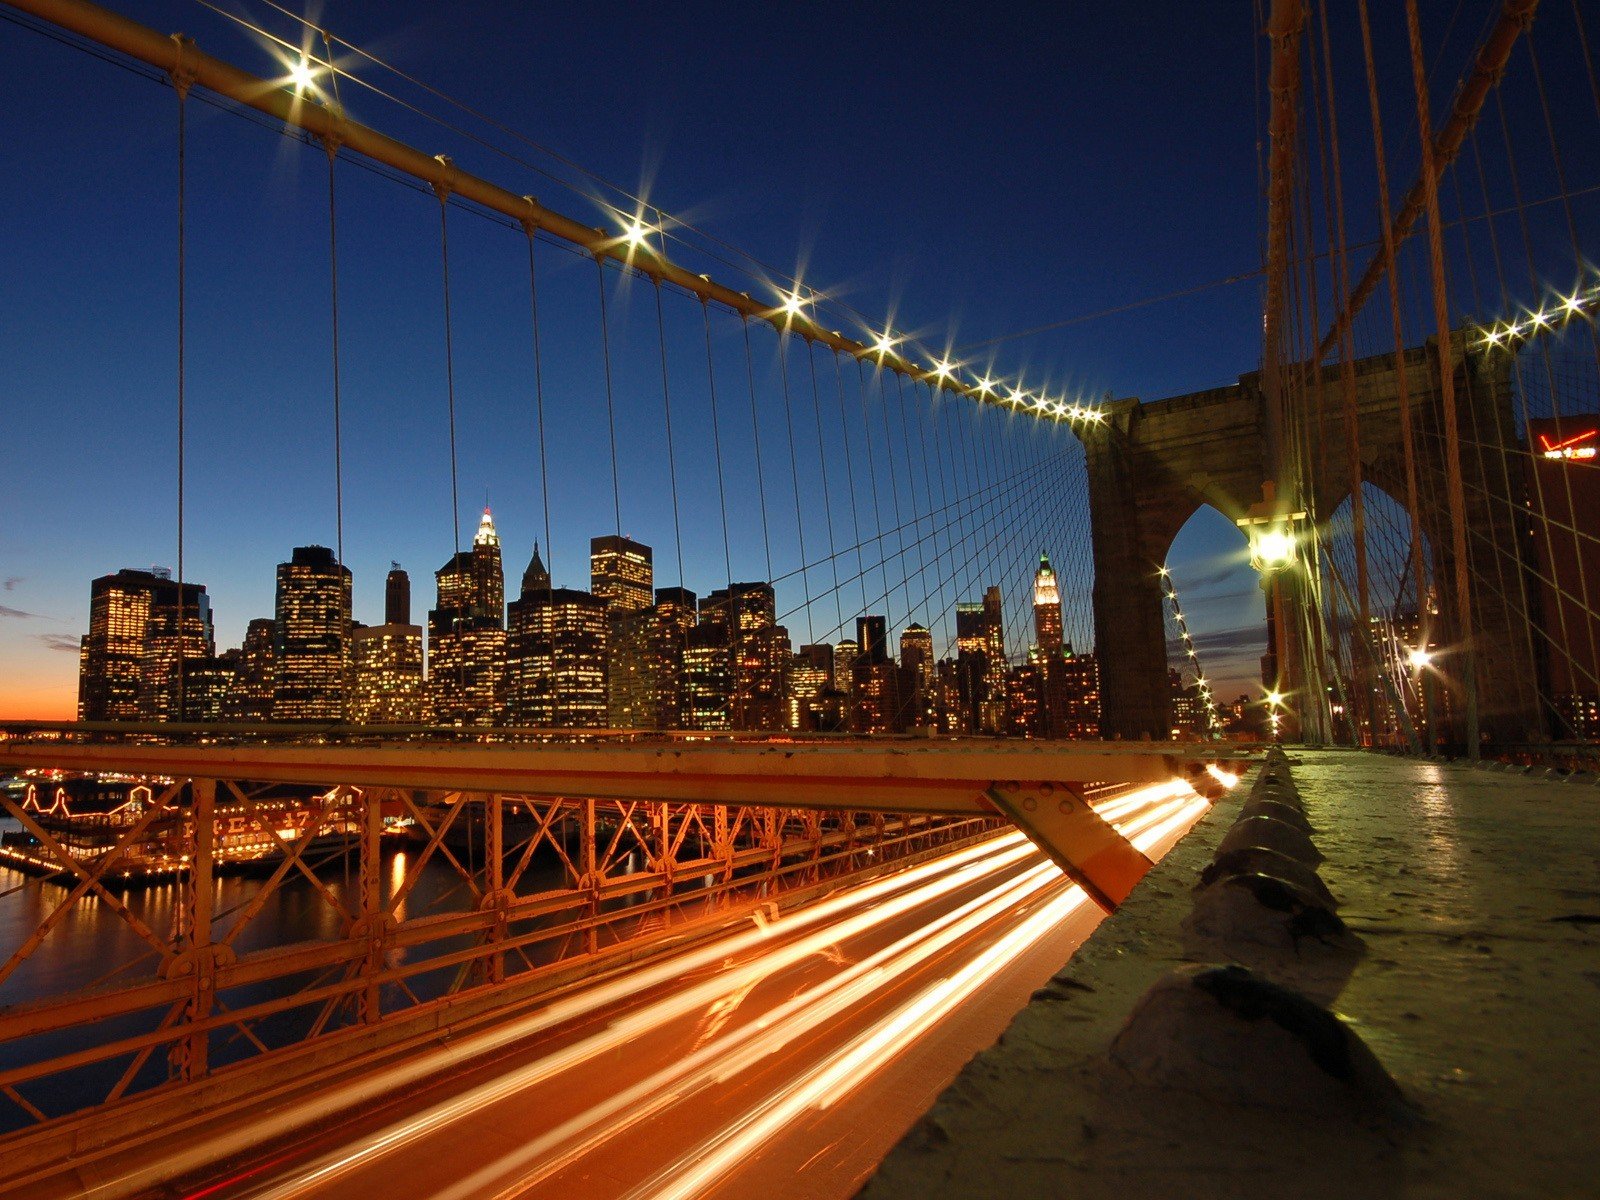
(966, 173)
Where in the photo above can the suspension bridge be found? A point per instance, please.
(664, 834)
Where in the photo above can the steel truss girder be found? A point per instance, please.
(945, 778)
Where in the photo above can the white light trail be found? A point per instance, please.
(695, 1172)
(876, 904)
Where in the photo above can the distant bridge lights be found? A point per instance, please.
(1509, 335)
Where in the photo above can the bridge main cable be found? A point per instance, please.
(173, 53)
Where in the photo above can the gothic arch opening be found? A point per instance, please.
(1224, 611)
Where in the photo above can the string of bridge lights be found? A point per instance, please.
(1509, 335)
(1213, 716)
(795, 309)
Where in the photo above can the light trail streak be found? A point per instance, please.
(746, 1048)
(1145, 816)
(1182, 819)
(693, 1173)
(996, 857)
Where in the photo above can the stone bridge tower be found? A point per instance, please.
(1152, 465)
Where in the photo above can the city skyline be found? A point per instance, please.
(268, 392)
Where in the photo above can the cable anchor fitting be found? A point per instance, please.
(183, 78)
(444, 186)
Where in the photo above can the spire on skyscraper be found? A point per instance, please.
(486, 535)
(536, 579)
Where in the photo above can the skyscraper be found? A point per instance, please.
(467, 634)
(707, 677)
(872, 635)
(621, 572)
(178, 636)
(311, 637)
(1046, 608)
(676, 613)
(759, 650)
(139, 641)
(397, 597)
(916, 653)
(249, 697)
(844, 662)
(386, 675)
(555, 654)
(994, 710)
(111, 653)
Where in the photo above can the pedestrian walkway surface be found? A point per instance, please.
(1470, 968)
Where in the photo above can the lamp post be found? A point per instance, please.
(1275, 554)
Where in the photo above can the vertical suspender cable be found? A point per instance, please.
(827, 497)
(716, 440)
(332, 148)
(181, 83)
(1402, 383)
(1441, 312)
(530, 229)
(443, 192)
(872, 476)
(850, 478)
(331, 144)
(794, 474)
(755, 429)
(666, 404)
(611, 412)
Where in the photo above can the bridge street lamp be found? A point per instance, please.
(1274, 553)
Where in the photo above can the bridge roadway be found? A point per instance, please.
(789, 1054)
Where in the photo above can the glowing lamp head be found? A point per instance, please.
(1419, 658)
(942, 368)
(1275, 700)
(302, 76)
(1274, 548)
(985, 386)
(884, 344)
(637, 234)
(794, 304)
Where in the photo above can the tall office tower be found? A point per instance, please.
(386, 675)
(806, 679)
(473, 580)
(396, 596)
(880, 703)
(555, 655)
(249, 697)
(973, 673)
(819, 656)
(630, 668)
(111, 654)
(1047, 608)
(467, 634)
(311, 637)
(1025, 700)
(207, 683)
(707, 677)
(844, 662)
(872, 635)
(621, 572)
(758, 647)
(994, 711)
(676, 613)
(916, 653)
(1079, 701)
(949, 713)
(970, 634)
(178, 633)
